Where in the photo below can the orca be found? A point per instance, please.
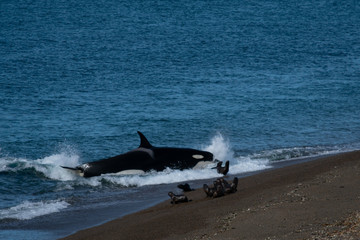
(145, 158)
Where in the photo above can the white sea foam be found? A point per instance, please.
(165, 177)
(28, 210)
(8, 164)
(51, 166)
(222, 150)
(247, 164)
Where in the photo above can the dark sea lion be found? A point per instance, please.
(226, 185)
(223, 170)
(214, 191)
(234, 184)
(185, 187)
(209, 192)
(177, 198)
(219, 189)
(229, 188)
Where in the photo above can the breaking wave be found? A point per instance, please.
(50, 166)
(28, 210)
(63, 180)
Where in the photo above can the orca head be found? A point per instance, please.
(173, 157)
(182, 157)
(192, 158)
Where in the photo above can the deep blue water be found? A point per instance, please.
(252, 81)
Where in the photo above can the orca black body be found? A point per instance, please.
(144, 158)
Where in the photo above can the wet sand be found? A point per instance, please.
(318, 199)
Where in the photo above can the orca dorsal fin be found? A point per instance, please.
(144, 143)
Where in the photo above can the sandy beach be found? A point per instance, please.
(312, 200)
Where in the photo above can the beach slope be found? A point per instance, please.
(318, 199)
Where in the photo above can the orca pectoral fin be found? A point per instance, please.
(70, 168)
(78, 171)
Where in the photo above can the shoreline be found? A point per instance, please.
(303, 201)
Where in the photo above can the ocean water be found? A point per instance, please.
(254, 82)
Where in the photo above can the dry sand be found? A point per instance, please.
(319, 199)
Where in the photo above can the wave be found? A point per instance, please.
(65, 182)
(296, 153)
(29, 210)
(50, 166)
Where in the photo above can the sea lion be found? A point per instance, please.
(229, 188)
(208, 190)
(177, 198)
(226, 185)
(234, 184)
(219, 189)
(214, 191)
(223, 170)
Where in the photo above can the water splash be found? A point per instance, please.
(220, 147)
(49, 166)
